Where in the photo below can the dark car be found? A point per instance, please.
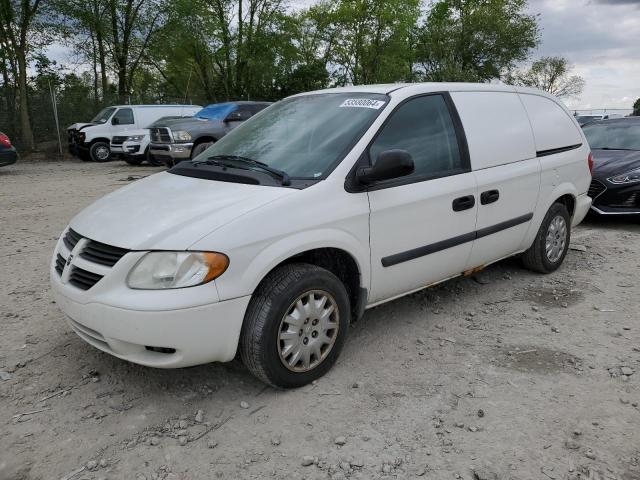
(8, 154)
(185, 138)
(615, 146)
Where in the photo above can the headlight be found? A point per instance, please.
(161, 270)
(181, 136)
(135, 138)
(630, 177)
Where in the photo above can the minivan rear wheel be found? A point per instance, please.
(295, 325)
(552, 241)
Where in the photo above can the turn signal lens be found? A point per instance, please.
(590, 162)
(165, 270)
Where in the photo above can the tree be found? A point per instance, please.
(18, 29)
(367, 40)
(552, 75)
(474, 40)
(636, 108)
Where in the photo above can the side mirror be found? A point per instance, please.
(238, 116)
(115, 121)
(390, 164)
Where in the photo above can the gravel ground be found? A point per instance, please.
(504, 375)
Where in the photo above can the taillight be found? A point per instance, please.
(590, 162)
(4, 140)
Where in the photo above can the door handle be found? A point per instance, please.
(463, 203)
(489, 196)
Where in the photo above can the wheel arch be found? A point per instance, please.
(335, 250)
(564, 193)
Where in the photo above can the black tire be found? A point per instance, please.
(259, 339)
(134, 160)
(96, 152)
(199, 148)
(153, 160)
(536, 257)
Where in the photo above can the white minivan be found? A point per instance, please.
(90, 141)
(323, 205)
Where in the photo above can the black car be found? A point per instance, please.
(615, 145)
(8, 154)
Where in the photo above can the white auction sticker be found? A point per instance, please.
(362, 103)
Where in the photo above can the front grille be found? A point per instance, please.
(71, 238)
(60, 264)
(118, 140)
(102, 253)
(160, 135)
(83, 279)
(630, 201)
(596, 188)
(93, 252)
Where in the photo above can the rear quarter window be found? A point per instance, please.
(552, 126)
(496, 127)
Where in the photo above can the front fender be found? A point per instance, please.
(248, 267)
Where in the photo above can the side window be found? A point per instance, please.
(124, 116)
(423, 127)
(552, 125)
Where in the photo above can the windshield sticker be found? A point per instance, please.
(362, 103)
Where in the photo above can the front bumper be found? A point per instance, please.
(612, 199)
(8, 157)
(161, 328)
(171, 153)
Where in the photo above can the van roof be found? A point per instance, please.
(388, 88)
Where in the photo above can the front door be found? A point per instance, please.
(422, 225)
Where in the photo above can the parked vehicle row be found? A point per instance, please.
(8, 154)
(325, 204)
(91, 141)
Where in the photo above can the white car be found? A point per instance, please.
(133, 147)
(323, 205)
(91, 141)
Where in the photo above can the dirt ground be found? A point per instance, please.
(506, 375)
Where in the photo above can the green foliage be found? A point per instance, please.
(474, 40)
(205, 51)
(636, 108)
(550, 74)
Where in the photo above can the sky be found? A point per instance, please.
(601, 39)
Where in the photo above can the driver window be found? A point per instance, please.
(423, 127)
(124, 116)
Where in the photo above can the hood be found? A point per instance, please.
(183, 123)
(78, 126)
(169, 212)
(607, 163)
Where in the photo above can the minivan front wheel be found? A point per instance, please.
(295, 325)
(552, 241)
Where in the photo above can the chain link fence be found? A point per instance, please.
(70, 109)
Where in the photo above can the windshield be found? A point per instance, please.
(217, 111)
(616, 135)
(104, 115)
(302, 136)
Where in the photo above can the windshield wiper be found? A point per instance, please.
(222, 160)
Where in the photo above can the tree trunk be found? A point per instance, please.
(26, 134)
